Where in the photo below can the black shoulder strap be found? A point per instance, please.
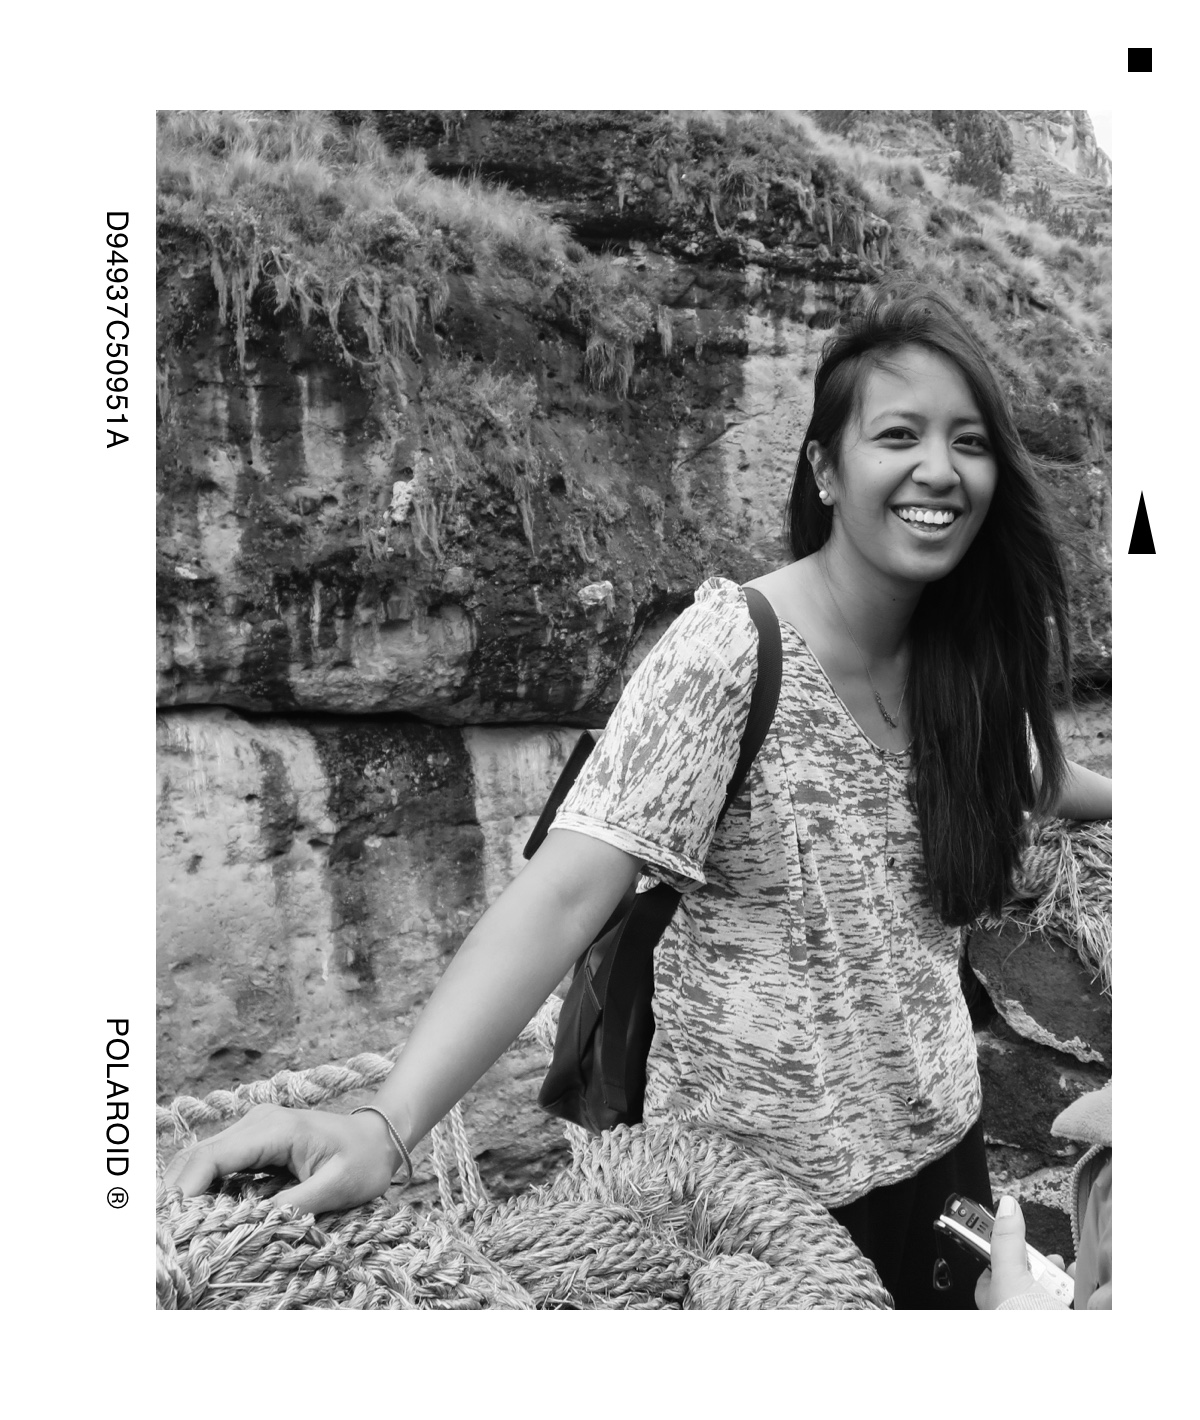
(630, 963)
(765, 695)
(562, 787)
(763, 700)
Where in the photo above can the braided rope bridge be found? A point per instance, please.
(649, 1217)
(643, 1217)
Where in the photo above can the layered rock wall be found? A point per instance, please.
(295, 571)
(316, 875)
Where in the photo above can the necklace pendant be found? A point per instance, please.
(884, 712)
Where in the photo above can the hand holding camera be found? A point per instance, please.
(1013, 1267)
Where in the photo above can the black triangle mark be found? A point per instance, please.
(1142, 539)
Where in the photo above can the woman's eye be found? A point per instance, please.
(977, 442)
(898, 433)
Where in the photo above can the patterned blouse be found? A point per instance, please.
(807, 999)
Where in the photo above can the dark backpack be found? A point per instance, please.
(597, 1077)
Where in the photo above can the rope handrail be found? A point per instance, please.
(1063, 889)
(641, 1218)
(648, 1217)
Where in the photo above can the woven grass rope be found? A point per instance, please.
(1064, 890)
(642, 1218)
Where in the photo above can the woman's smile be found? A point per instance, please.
(927, 521)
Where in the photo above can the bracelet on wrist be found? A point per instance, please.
(393, 1134)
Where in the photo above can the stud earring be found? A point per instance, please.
(825, 496)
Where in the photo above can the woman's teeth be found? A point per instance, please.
(926, 515)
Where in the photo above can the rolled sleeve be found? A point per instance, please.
(655, 784)
(1035, 1299)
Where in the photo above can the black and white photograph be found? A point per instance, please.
(712, 508)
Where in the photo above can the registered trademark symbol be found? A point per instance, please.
(117, 1198)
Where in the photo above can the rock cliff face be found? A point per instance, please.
(422, 510)
(1064, 135)
(298, 570)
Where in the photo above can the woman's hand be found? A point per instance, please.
(1009, 1275)
(342, 1160)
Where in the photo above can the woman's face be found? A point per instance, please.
(916, 474)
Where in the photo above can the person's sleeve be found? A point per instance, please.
(655, 784)
(1035, 1299)
(1093, 1267)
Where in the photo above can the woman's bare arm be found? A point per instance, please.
(510, 962)
(516, 955)
(1085, 794)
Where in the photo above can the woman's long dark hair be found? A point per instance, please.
(987, 642)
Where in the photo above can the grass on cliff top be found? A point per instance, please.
(923, 202)
(739, 154)
(334, 225)
(1042, 303)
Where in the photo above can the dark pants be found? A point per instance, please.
(894, 1227)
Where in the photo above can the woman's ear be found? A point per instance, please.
(819, 464)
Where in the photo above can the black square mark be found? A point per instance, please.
(1140, 61)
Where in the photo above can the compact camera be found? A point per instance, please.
(969, 1224)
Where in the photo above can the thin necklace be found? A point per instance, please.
(862, 658)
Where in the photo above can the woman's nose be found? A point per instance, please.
(936, 467)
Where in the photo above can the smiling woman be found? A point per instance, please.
(909, 424)
(806, 993)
